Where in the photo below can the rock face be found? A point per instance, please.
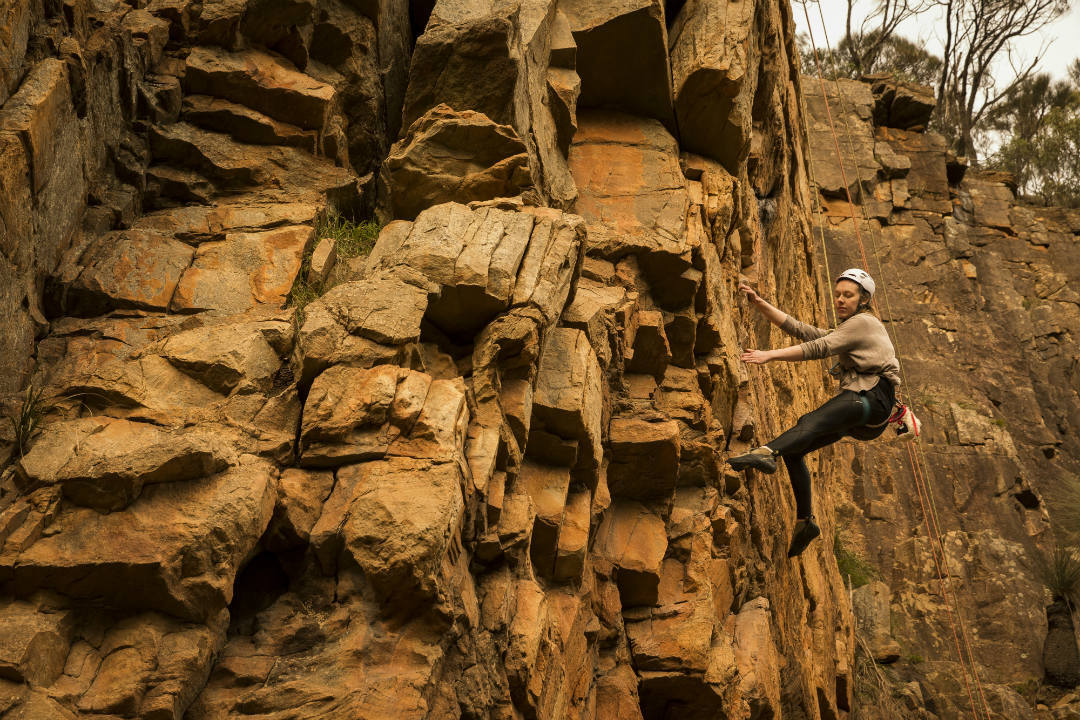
(480, 474)
(981, 306)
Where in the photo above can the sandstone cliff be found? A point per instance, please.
(983, 308)
(480, 476)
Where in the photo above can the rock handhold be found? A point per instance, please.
(104, 462)
(132, 269)
(449, 155)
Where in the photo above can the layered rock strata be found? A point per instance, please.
(978, 295)
(480, 476)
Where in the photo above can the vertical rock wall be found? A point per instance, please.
(982, 304)
(481, 476)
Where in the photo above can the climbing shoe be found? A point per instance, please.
(761, 458)
(805, 531)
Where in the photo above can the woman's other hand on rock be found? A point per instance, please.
(751, 295)
(757, 357)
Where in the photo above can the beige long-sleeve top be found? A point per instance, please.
(861, 343)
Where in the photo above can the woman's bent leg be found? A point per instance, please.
(828, 423)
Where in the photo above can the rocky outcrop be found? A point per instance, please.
(980, 306)
(480, 473)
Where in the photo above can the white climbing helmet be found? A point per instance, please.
(860, 278)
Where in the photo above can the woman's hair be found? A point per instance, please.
(865, 302)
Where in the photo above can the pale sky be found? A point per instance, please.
(1062, 34)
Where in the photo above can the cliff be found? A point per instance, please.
(479, 475)
(979, 296)
(477, 472)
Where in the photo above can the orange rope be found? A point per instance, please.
(937, 547)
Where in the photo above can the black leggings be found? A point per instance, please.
(843, 415)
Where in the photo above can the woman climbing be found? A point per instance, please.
(868, 373)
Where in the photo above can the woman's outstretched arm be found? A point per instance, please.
(792, 353)
(773, 314)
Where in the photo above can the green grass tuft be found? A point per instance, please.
(25, 422)
(853, 568)
(351, 239)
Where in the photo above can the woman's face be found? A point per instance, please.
(846, 297)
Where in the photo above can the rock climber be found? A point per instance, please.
(868, 374)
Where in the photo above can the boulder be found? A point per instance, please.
(678, 635)
(301, 494)
(104, 463)
(632, 191)
(402, 518)
(244, 270)
(617, 695)
(128, 269)
(1060, 657)
(632, 540)
(486, 260)
(644, 458)
(465, 64)
(354, 414)
(448, 155)
(226, 356)
(34, 644)
(651, 352)
(261, 82)
(622, 55)
(715, 77)
(756, 656)
(181, 545)
(902, 105)
(547, 488)
(564, 87)
(870, 603)
(573, 543)
(568, 399)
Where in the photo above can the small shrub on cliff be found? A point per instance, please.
(853, 569)
(25, 422)
(1063, 503)
(1059, 571)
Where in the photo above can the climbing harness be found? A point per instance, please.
(908, 425)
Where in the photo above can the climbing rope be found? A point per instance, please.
(937, 544)
(922, 483)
